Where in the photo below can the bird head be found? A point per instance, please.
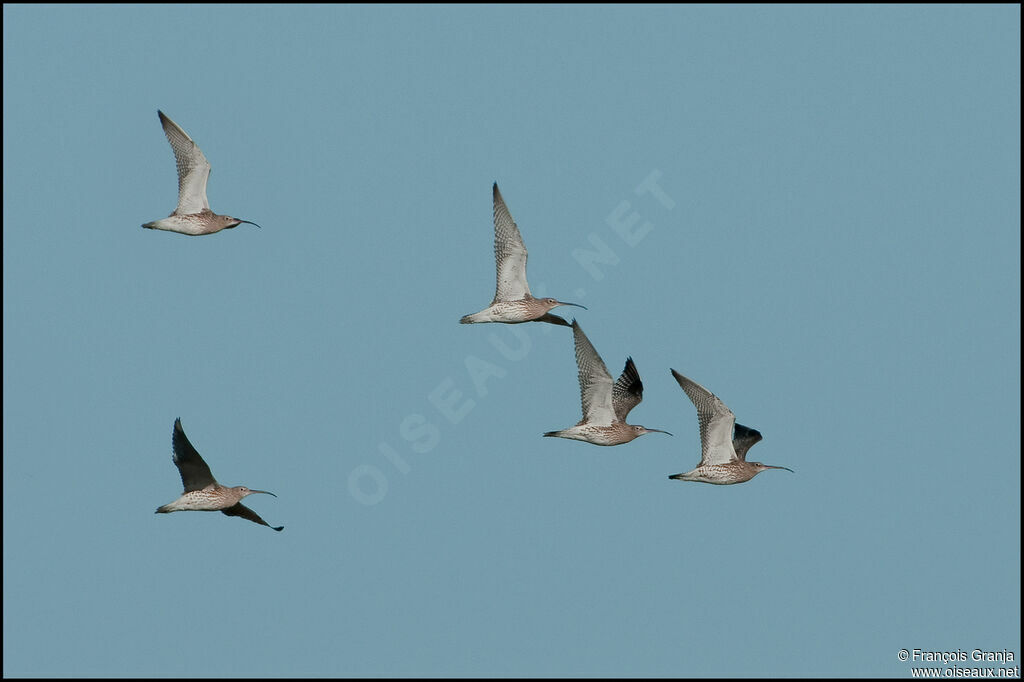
(763, 467)
(551, 303)
(235, 222)
(641, 430)
(246, 491)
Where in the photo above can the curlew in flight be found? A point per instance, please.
(192, 215)
(723, 458)
(202, 492)
(512, 302)
(605, 405)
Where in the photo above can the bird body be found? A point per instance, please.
(203, 222)
(213, 497)
(611, 434)
(724, 443)
(192, 216)
(527, 309)
(513, 303)
(202, 491)
(722, 474)
(605, 405)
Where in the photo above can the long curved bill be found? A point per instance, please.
(265, 492)
(249, 222)
(575, 304)
(769, 466)
(656, 431)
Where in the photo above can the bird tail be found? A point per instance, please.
(554, 434)
(466, 319)
(164, 509)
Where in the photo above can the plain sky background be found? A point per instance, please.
(834, 252)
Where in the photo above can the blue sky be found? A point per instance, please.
(833, 249)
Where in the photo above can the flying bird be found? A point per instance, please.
(202, 492)
(723, 442)
(513, 302)
(192, 215)
(605, 405)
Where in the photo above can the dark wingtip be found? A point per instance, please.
(677, 477)
(555, 319)
(630, 369)
(551, 434)
(742, 431)
(278, 528)
(552, 319)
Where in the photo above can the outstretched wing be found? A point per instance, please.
(743, 439)
(195, 474)
(553, 319)
(716, 422)
(240, 509)
(595, 381)
(509, 254)
(193, 168)
(628, 391)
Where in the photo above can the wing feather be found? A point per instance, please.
(716, 422)
(743, 439)
(240, 509)
(195, 474)
(628, 391)
(509, 254)
(193, 168)
(595, 381)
